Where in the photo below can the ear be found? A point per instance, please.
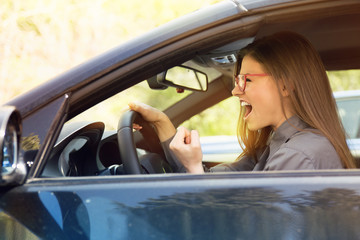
(284, 91)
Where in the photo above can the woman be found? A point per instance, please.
(288, 118)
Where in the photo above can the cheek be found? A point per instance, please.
(267, 99)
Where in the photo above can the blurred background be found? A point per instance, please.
(40, 39)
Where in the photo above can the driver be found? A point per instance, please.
(288, 118)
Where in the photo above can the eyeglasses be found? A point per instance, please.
(240, 79)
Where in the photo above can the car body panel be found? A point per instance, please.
(184, 207)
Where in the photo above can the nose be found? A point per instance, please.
(236, 91)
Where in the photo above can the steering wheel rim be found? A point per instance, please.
(126, 140)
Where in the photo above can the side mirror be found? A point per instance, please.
(13, 168)
(182, 77)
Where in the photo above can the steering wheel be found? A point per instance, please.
(127, 146)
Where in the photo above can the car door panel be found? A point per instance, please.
(176, 206)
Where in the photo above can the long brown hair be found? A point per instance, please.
(292, 61)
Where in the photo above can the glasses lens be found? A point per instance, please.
(241, 82)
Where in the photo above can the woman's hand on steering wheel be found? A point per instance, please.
(164, 127)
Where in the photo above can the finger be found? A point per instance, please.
(132, 105)
(137, 126)
(195, 138)
(143, 109)
(135, 106)
(187, 138)
(179, 138)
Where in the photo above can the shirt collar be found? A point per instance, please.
(289, 128)
(286, 130)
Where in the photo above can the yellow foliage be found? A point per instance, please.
(40, 39)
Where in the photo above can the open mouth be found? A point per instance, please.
(248, 108)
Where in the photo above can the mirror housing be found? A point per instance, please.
(181, 77)
(13, 169)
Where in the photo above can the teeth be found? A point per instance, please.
(245, 104)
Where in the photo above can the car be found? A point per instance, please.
(71, 171)
(227, 148)
(348, 103)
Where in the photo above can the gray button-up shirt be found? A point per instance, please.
(293, 146)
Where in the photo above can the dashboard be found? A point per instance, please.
(85, 149)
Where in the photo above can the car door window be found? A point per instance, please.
(109, 110)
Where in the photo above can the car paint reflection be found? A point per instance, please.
(129, 210)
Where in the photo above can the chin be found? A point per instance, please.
(255, 126)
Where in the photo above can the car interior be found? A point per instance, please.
(92, 148)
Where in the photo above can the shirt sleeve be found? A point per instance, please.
(244, 164)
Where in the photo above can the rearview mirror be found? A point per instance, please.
(13, 169)
(181, 77)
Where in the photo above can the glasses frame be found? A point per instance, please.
(239, 77)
